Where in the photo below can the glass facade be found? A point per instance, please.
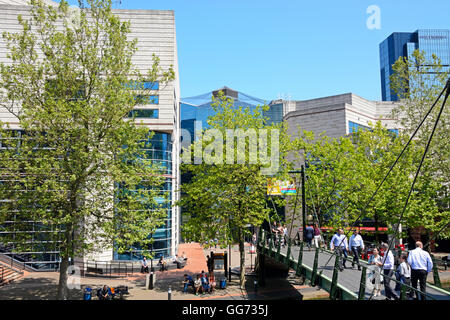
(196, 110)
(41, 251)
(160, 152)
(275, 113)
(144, 113)
(355, 127)
(147, 99)
(146, 85)
(403, 44)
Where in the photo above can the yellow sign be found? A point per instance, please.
(279, 188)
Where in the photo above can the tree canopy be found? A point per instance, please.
(79, 165)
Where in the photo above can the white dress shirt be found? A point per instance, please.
(356, 241)
(404, 269)
(388, 261)
(419, 259)
(339, 240)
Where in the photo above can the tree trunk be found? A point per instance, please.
(65, 254)
(242, 262)
(62, 285)
(377, 236)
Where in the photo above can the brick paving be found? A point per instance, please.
(43, 285)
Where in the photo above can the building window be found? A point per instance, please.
(355, 127)
(159, 151)
(144, 113)
(146, 85)
(394, 131)
(147, 99)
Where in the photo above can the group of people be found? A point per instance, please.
(280, 231)
(412, 268)
(312, 233)
(204, 283)
(340, 245)
(162, 263)
(106, 293)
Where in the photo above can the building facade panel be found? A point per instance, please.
(156, 34)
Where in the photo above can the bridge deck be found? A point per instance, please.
(349, 279)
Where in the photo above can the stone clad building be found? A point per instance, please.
(156, 34)
(339, 115)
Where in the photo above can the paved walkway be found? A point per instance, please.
(349, 278)
(43, 285)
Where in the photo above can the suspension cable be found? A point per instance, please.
(446, 88)
(418, 170)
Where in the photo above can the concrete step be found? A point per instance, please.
(8, 275)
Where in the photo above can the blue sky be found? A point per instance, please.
(301, 49)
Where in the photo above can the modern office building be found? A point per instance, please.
(336, 116)
(196, 110)
(403, 44)
(156, 34)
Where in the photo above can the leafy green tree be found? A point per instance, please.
(343, 174)
(418, 80)
(225, 198)
(79, 169)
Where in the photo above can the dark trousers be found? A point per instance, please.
(341, 251)
(309, 242)
(387, 283)
(421, 276)
(356, 253)
(144, 269)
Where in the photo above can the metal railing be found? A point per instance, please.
(269, 244)
(110, 268)
(397, 252)
(4, 272)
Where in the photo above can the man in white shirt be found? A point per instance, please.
(388, 271)
(356, 246)
(340, 245)
(421, 263)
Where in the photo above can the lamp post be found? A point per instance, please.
(151, 250)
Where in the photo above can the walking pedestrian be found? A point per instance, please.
(280, 233)
(403, 274)
(339, 244)
(356, 246)
(374, 276)
(421, 263)
(317, 236)
(309, 235)
(285, 234)
(388, 272)
(209, 263)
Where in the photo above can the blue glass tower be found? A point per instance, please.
(403, 44)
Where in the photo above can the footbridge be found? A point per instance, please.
(320, 268)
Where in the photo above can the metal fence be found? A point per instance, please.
(271, 245)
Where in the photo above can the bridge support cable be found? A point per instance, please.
(445, 90)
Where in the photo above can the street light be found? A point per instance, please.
(151, 260)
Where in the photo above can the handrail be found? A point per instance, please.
(275, 251)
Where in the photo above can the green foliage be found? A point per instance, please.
(342, 175)
(77, 156)
(224, 199)
(418, 81)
